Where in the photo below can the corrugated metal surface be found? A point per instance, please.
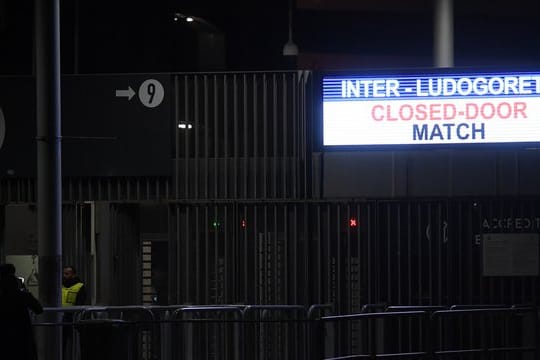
(125, 276)
(91, 189)
(240, 136)
(247, 253)
(76, 240)
(17, 190)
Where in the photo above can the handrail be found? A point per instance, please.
(482, 311)
(415, 308)
(373, 315)
(75, 310)
(65, 308)
(370, 307)
(478, 306)
(130, 308)
(520, 306)
(316, 307)
(266, 308)
(207, 309)
(415, 355)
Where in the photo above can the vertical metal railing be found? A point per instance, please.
(441, 332)
(238, 135)
(491, 335)
(274, 332)
(207, 332)
(371, 338)
(133, 327)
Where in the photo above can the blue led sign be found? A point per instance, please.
(435, 109)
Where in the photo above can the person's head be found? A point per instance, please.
(7, 270)
(69, 272)
(8, 281)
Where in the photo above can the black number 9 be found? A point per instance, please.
(151, 89)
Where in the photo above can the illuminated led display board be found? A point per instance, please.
(431, 109)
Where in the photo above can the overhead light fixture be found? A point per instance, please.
(184, 125)
(179, 16)
(202, 23)
(290, 48)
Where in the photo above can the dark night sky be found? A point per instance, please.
(134, 36)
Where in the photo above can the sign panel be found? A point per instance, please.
(116, 125)
(431, 109)
(112, 125)
(18, 103)
(513, 254)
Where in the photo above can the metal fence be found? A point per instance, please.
(272, 332)
(461, 332)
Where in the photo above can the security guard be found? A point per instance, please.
(73, 293)
(73, 290)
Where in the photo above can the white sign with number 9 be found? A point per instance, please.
(151, 93)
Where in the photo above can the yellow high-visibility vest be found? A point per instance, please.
(69, 294)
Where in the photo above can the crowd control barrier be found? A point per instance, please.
(282, 332)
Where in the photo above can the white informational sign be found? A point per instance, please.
(431, 109)
(511, 254)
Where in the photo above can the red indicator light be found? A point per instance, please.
(353, 222)
(243, 223)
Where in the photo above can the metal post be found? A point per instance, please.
(47, 33)
(76, 36)
(444, 33)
